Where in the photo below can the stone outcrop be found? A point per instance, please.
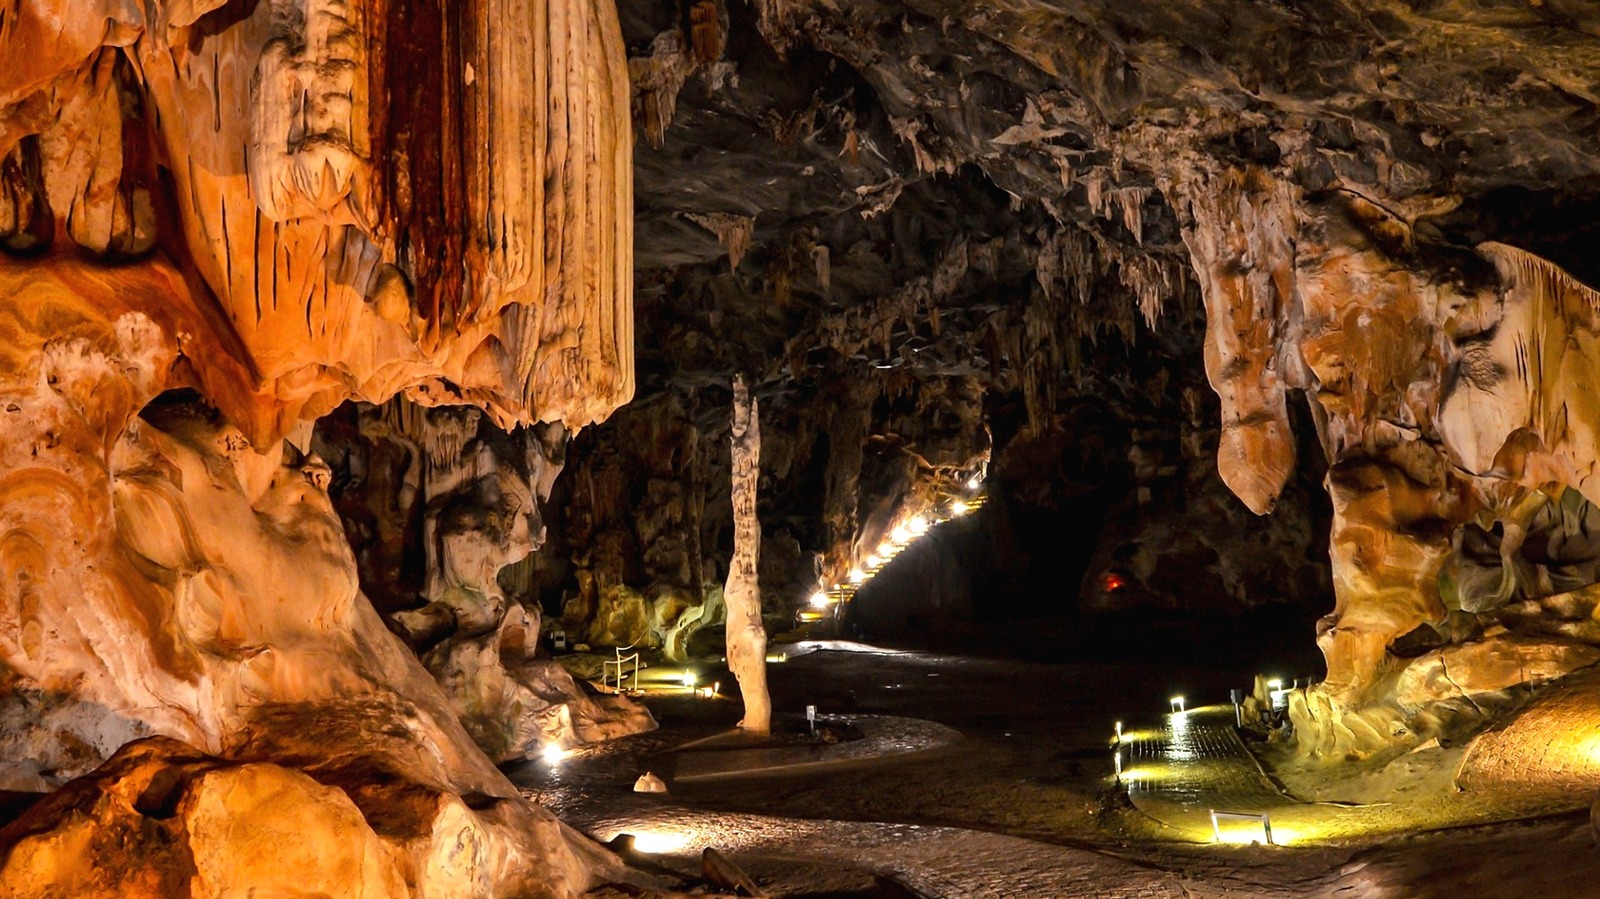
(161, 819)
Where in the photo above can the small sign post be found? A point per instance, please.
(811, 718)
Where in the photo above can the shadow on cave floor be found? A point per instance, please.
(1278, 638)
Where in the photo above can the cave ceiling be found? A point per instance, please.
(842, 153)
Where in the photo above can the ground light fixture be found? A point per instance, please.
(552, 753)
(1278, 695)
(819, 599)
(689, 678)
(657, 842)
(1245, 834)
(857, 575)
(1177, 705)
(959, 507)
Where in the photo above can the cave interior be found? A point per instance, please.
(1152, 428)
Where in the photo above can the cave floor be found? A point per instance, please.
(1192, 764)
(1020, 804)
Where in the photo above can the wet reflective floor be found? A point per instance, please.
(1020, 803)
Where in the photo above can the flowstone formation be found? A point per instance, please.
(1447, 387)
(467, 494)
(220, 222)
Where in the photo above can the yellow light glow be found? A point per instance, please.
(959, 508)
(689, 678)
(886, 549)
(918, 525)
(1142, 773)
(553, 753)
(900, 534)
(874, 561)
(656, 842)
(975, 483)
(1285, 836)
(1135, 736)
(819, 599)
(857, 575)
(1241, 834)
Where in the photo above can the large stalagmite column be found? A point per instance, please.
(747, 639)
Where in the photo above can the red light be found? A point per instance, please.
(1112, 581)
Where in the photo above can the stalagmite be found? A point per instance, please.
(746, 637)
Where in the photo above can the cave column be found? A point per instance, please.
(746, 638)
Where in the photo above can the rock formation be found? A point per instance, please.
(471, 505)
(746, 637)
(160, 819)
(222, 222)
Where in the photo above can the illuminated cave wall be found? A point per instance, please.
(219, 222)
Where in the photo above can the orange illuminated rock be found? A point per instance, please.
(1240, 246)
(273, 209)
(1452, 396)
(163, 820)
(465, 269)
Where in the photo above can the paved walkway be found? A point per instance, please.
(1194, 764)
(1176, 772)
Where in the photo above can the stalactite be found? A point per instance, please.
(656, 81)
(1151, 281)
(1526, 366)
(732, 231)
(1131, 201)
(1240, 241)
(746, 637)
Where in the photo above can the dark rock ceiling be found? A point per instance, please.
(958, 217)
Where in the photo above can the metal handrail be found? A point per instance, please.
(619, 663)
